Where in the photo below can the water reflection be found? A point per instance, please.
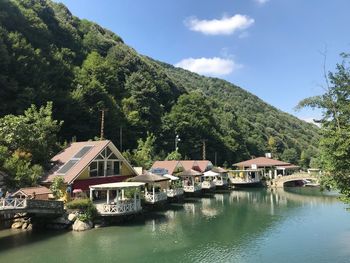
(233, 226)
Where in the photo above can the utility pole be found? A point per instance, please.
(102, 123)
(121, 138)
(177, 139)
(204, 149)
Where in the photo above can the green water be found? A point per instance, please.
(296, 225)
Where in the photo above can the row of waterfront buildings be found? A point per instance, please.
(97, 170)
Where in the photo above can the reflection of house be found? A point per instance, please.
(37, 192)
(271, 167)
(83, 164)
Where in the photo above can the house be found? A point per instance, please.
(83, 164)
(271, 167)
(198, 165)
(167, 167)
(37, 192)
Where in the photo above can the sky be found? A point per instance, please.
(275, 49)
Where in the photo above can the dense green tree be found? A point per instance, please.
(290, 155)
(335, 132)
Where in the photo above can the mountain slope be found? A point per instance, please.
(47, 54)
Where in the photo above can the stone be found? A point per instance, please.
(30, 227)
(72, 217)
(81, 226)
(25, 225)
(17, 225)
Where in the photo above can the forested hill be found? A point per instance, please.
(47, 54)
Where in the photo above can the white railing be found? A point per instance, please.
(157, 197)
(121, 208)
(175, 192)
(12, 203)
(241, 180)
(221, 182)
(208, 184)
(191, 188)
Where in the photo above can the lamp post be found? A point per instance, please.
(177, 139)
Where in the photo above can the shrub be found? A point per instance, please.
(87, 208)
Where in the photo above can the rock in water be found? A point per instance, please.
(25, 225)
(72, 217)
(81, 226)
(17, 225)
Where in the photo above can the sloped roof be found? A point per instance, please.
(38, 190)
(170, 166)
(261, 162)
(116, 185)
(219, 170)
(148, 178)
(189, 164)
(189, 172)
(65, 155)
(203, 164)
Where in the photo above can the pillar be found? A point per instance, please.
(123, 194)
(91, 197)
(108, 196)
(135, 201)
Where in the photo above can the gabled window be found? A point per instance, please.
(105, 164)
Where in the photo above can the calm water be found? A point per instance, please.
(295, 225)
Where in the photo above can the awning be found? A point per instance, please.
(210, 174)
(171, 177)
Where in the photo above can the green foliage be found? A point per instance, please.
(87, 209)
(144, 154)
(175, 155)
(47, 54)
(335, 140)
(57, 187)
(290, 156)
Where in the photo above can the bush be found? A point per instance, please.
(87, 208)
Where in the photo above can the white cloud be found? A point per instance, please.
(262, 1)
(223, 26)
(209, 66)
(310, 120)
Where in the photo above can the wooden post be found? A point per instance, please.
(135, 201)
(153, 192)
(102, 124)
(108, 196)
(91, 198)
(204, 150)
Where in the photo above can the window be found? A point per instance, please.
(93, 169)
(67, 166)
(82, 152)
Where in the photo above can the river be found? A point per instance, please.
(293, 225)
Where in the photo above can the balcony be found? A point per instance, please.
(156, 197)
(175, 192)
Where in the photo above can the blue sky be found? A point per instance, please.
(271, 48)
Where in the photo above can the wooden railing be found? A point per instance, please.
(208, 184)
(157, 197)
(12, 203)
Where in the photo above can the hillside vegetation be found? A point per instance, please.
(47, 54)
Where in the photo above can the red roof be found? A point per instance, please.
(170, 166)
(204, 165)
(67, 154)
(261, 162)
(38, 190)
(84, 184)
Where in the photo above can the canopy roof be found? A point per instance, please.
(211, 174)
(189, 172)
(115, 185)
(149, 178)
(219, 170)
(261, 162)
(170, 166)
(171, 177)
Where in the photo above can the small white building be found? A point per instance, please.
(191, 181)
(120, 198)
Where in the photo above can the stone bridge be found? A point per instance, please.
(281, 180)
(32, 206)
